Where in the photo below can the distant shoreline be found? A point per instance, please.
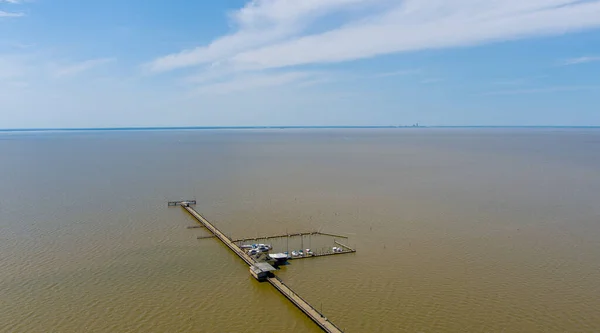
(278, 127)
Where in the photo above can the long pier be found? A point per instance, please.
(221, 236)
(276, 282)
(303, 305)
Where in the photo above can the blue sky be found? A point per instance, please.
(67, 63)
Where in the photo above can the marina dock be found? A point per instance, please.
(276, 282)
(323, 254)
(287, 235)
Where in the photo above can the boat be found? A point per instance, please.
(246, 246)
(309, 252)
(279, 257)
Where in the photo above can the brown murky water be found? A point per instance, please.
(462, 230)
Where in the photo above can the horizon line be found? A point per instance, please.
(157, 128)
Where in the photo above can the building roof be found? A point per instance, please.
(262, 267)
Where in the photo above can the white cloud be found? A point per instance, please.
(427, 24)
(76, 68)
(273, 33)
(12, 1)
(259, 23)
(581, 60)
(11, 14)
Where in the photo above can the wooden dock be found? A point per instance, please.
(286, 291)
(178, 203)
(221, 236)
(311, 233)
(205, 237)
(345, 246)
(322, 254)
(195, 227)
(303, 305)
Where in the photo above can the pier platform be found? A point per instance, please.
(276, 282)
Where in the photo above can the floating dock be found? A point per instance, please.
(276, 282)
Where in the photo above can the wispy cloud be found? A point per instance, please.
(14, 2)
(11, 14)
(255, 81)
(15, 71)
(76, 68)
(12, 67)
(580, 60)
(259, 23)
(276, 34)
(542, 90)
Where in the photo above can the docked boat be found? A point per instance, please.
(279, 257)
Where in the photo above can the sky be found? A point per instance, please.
(146, 63)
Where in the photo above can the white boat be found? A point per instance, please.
(279, 257)
(295, 254)
(246, 246)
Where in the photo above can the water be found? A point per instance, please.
(458, 230)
